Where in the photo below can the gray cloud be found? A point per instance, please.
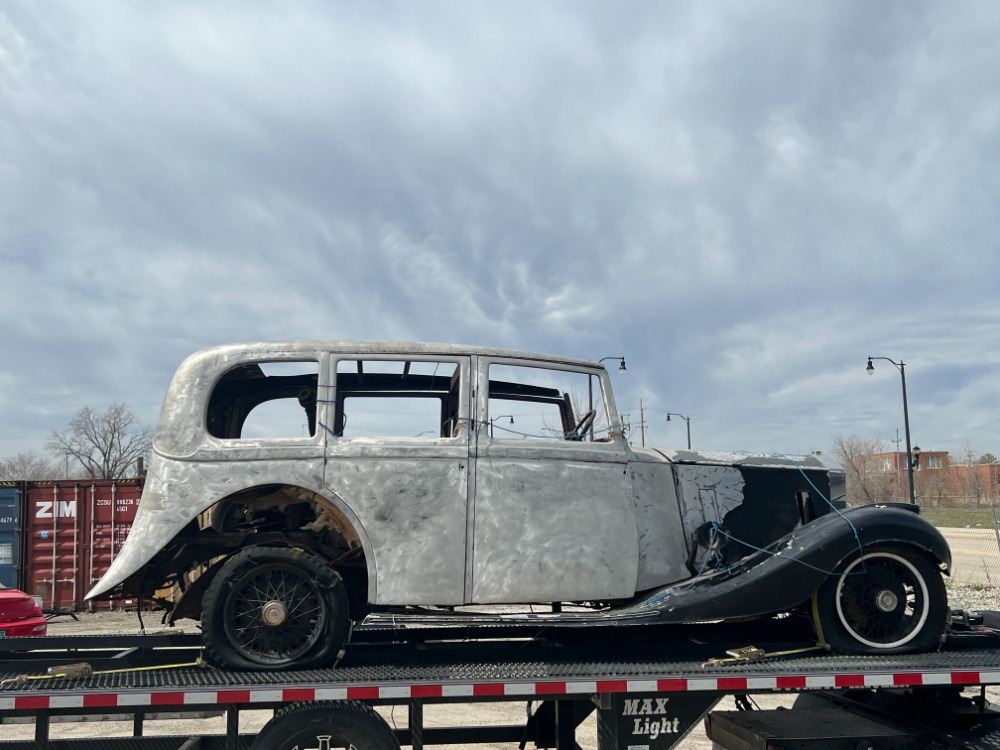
(745, 199)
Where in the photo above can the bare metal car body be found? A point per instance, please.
(434, 476)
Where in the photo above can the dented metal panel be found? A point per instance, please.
(662, 536)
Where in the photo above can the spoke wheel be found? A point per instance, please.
(887, 600)
(275, 608)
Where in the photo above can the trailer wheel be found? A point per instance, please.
(324, 726)
(887, 600)
(271, 608)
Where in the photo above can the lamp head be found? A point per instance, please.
(668, 417)
(621, 367)
(871, 368)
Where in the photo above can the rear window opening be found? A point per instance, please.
(265, 400)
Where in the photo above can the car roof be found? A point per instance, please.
(395, 348)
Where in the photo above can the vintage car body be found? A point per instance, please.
(435, 476)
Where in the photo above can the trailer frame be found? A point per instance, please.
(631, 687)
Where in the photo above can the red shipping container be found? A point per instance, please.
(72, 532)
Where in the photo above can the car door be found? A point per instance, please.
(553, 512)
(398, 456)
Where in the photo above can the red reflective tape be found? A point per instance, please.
(100, 700)
(791, 682)
(550, 688)
(672, 685)
(849, 680)
(31, 701)
(965, 678)
(166, 699)
(907, 679)
(612, 686)
(299, 694)
(426, 691)
(362, 693)
(234, 696)
(487, 689)
(732, 683)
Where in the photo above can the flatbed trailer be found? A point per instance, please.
(645, 695)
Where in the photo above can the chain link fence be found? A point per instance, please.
(974, 537)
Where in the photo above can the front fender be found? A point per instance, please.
(798, 566)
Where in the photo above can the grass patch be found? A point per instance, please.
(959, 518)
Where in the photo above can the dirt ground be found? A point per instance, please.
(251, 721)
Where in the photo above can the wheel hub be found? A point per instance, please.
(886, 600)
(274, 614)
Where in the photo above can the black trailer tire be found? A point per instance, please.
(885, 600)
(274, 608)
(326, 725)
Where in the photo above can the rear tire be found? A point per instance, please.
(274, 608)
(886, 600)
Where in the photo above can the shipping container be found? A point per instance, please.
(10, 534)
(72, 532)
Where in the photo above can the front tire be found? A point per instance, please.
(274, 608)
(886, 600)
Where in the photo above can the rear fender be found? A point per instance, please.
(797, 566)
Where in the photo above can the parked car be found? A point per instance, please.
(20, 614)
(296, 488)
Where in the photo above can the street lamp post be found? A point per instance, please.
(901, 366)
(686, 419)
(502, 416)
(621, 367)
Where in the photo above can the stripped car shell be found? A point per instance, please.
(417, 478)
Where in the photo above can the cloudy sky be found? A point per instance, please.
(746, 199)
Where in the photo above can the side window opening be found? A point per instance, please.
(385, 398)
(541, 403)
(265, 400)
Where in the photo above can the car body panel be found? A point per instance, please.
(20, 615)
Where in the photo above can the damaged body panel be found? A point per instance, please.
(299, 486)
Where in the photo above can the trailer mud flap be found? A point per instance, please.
(657, 721)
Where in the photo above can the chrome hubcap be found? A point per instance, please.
(274, 614)
(886, 601)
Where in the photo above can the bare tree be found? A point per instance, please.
(105, 444)
(867, 480)
(987, 458)
(27, 466)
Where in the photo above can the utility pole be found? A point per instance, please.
(642, 422)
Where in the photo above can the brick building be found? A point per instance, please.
(941, 482)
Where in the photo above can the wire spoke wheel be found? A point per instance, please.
(275, 608)
(884, 600)
(275, 612)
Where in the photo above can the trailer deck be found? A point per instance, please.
(574, 680)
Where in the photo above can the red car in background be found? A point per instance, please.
(19, 614)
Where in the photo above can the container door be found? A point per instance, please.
(10, 535)
(53, 523)
(112, 505)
